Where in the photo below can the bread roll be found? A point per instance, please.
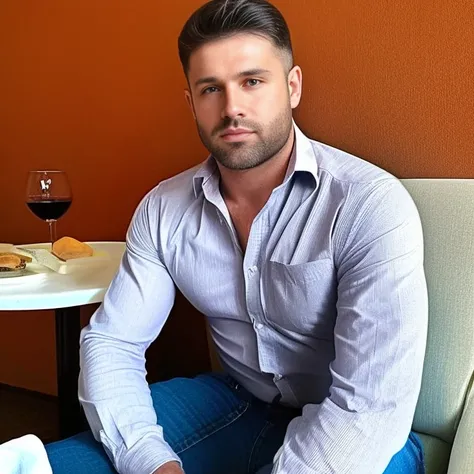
(68, 248)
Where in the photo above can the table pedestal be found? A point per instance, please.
(68, 328)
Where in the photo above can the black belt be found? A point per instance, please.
(277, 409)
(274, 408)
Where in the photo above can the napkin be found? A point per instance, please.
(25, 455)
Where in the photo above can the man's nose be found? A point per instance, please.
(233, 105)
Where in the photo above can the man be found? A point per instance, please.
(307, 262)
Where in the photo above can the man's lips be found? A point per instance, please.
(235, 134)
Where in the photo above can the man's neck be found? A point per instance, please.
(252, 188)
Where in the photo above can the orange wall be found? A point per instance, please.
(95, 88)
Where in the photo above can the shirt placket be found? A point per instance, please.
(252, 273)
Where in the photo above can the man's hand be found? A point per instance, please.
(169, 468)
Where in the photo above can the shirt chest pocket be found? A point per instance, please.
(300, 298)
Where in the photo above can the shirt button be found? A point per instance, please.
(219, 216)
(259, 326)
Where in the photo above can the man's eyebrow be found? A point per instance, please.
(248, 72)
(254, 72)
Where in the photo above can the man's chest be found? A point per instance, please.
(279, 280)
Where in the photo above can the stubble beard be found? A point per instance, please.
(243, 155)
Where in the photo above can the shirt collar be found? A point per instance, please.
(204, 174)
(303, 157)
(302, 160)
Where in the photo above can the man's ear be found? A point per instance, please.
(295, 82)
(189, 100)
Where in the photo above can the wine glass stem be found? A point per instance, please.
(52, 230)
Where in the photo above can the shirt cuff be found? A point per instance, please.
(145, 456)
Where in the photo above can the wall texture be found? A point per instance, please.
(95, 88)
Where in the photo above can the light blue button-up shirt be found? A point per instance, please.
(327, 307)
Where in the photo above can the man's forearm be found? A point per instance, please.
(329, 439)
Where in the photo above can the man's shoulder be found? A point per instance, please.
(361, 186)
(348, 169)
(178, 188)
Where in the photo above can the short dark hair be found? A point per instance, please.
(219, 19)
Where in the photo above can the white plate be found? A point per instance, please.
(30, 273)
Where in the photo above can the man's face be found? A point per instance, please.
(242, 98)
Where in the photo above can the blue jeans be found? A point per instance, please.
(215, 426)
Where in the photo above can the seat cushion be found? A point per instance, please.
(436, 454)
(446, 211)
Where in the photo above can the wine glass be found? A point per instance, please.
(49, 196)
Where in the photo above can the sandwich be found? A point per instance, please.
(11, 261)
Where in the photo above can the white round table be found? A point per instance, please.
(64, 294)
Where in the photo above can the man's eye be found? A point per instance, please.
(253, 82)
(209, 90)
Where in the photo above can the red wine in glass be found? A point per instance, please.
(49, 210)
(48, 196)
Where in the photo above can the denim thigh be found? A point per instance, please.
(210, 422)
(410, 459)
(215, 426)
